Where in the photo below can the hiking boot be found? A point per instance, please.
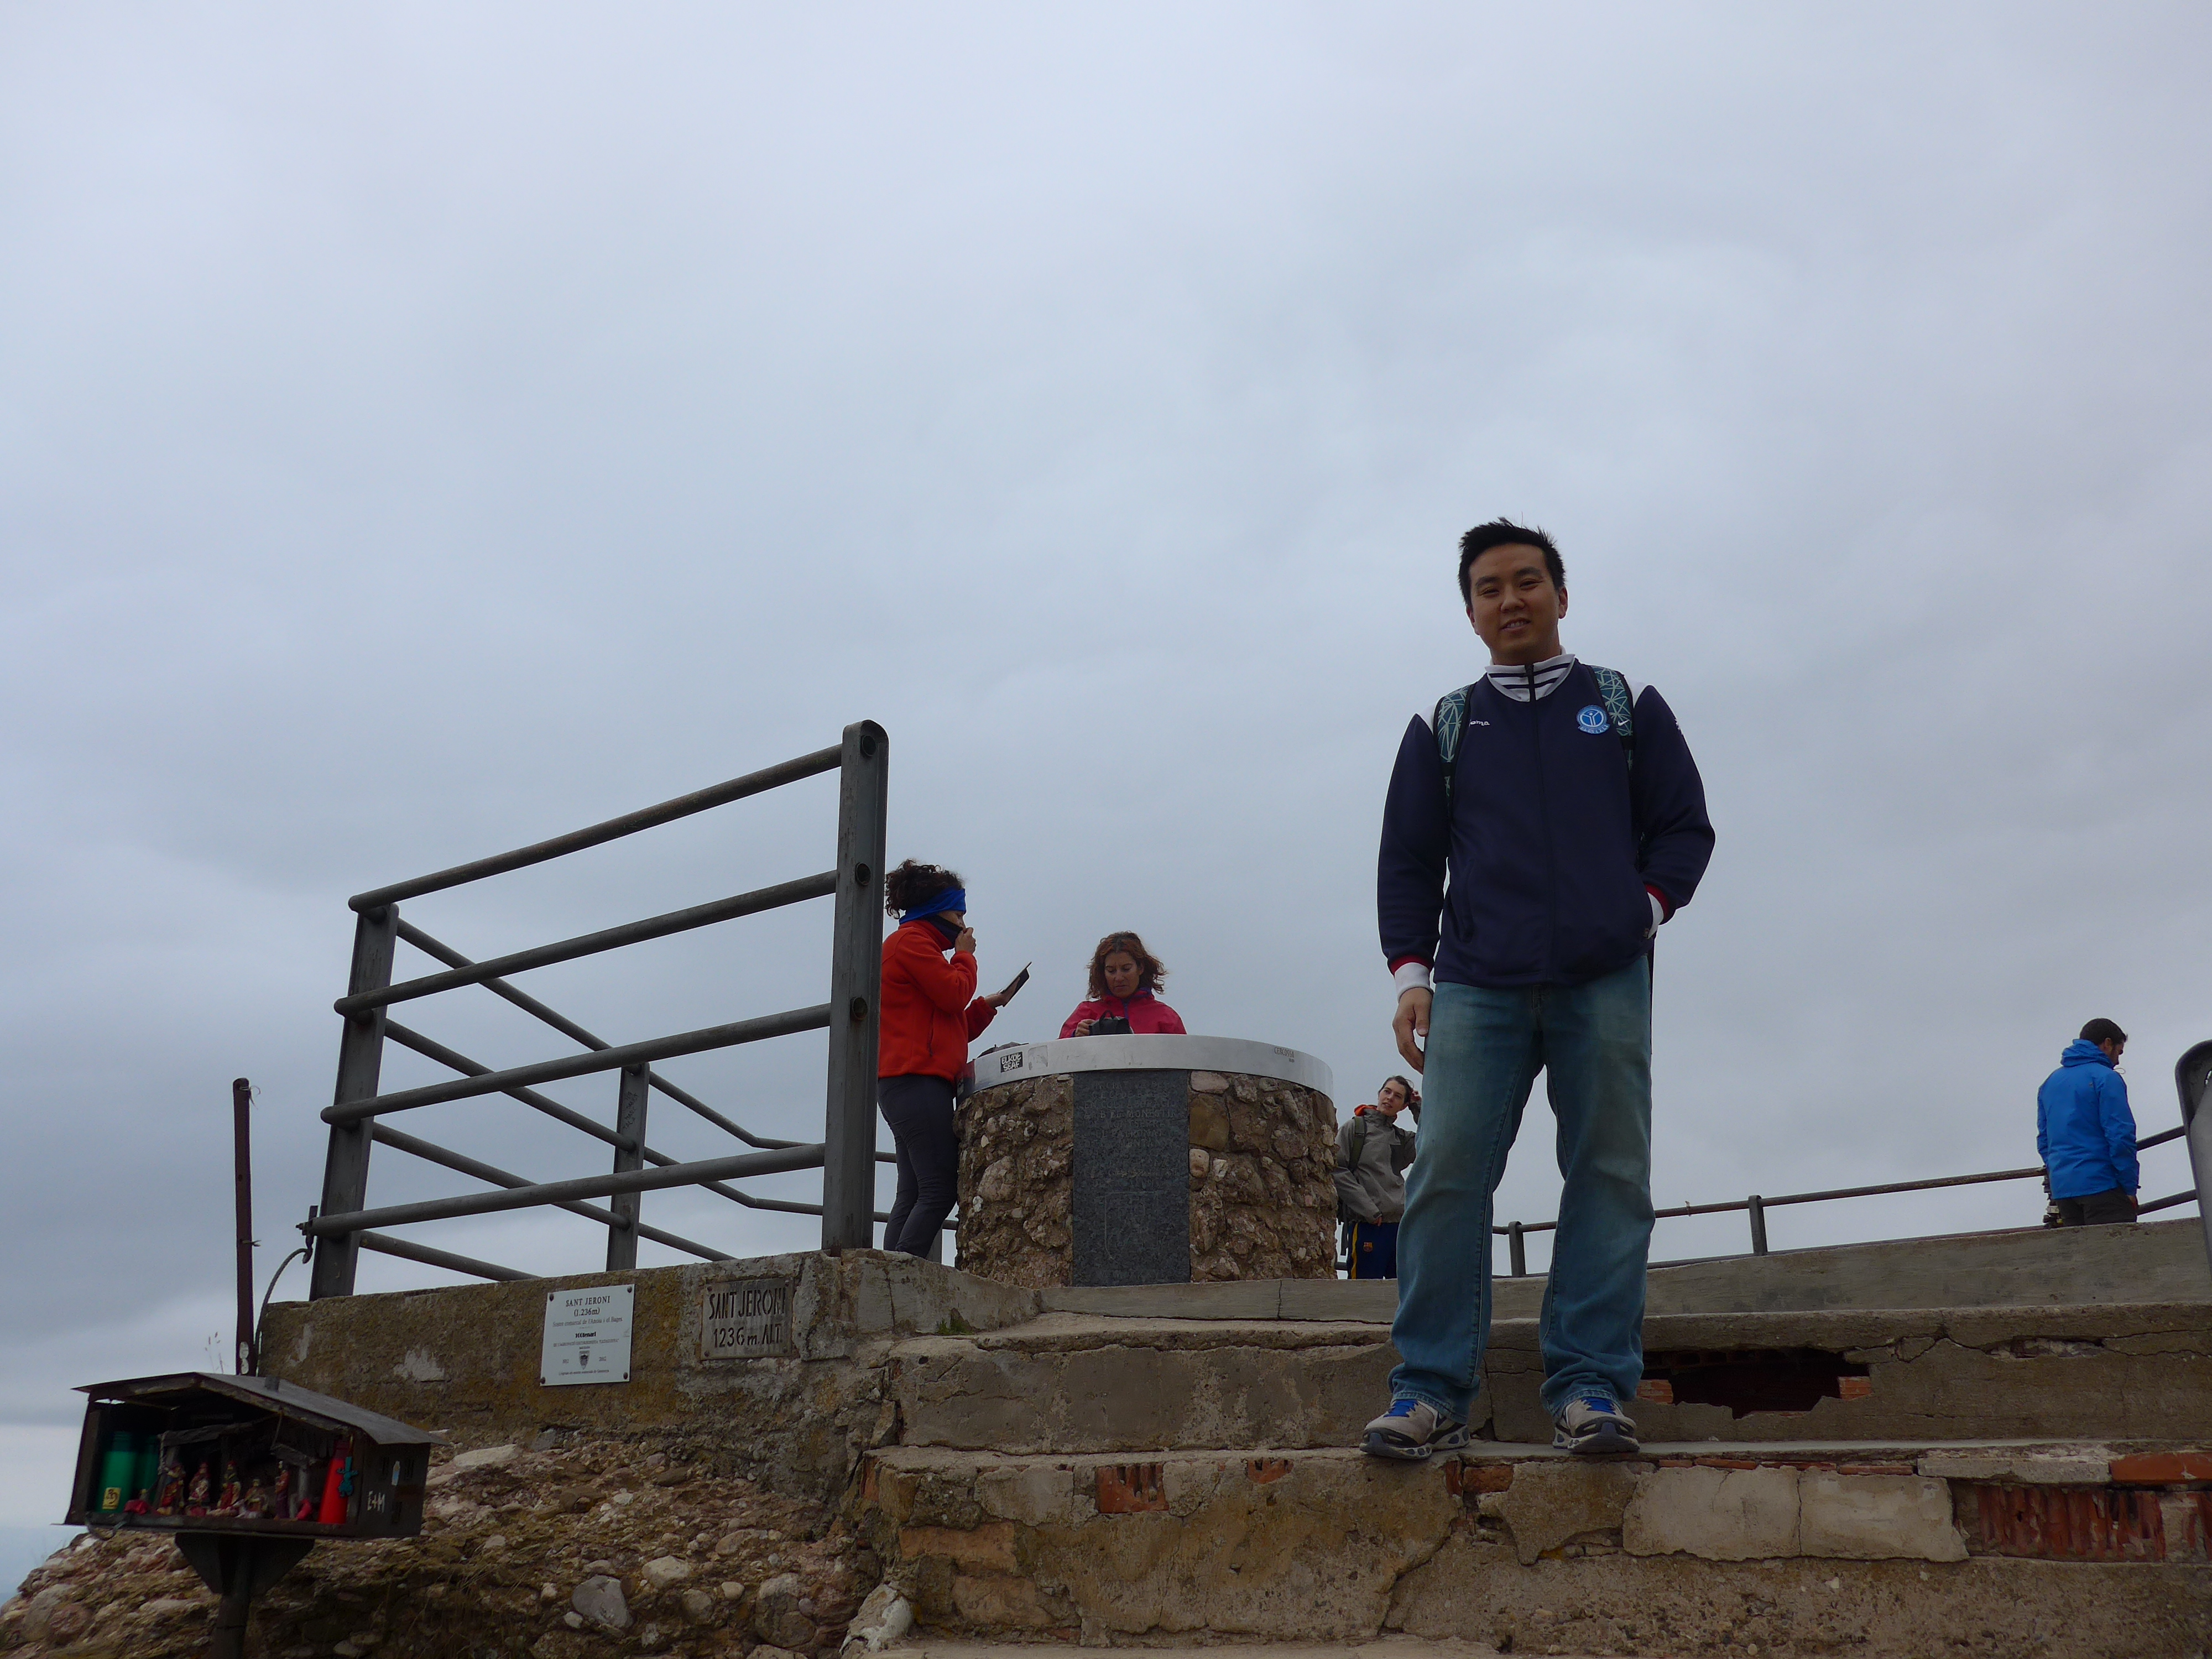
(1412, 1430)
(1593, 1426)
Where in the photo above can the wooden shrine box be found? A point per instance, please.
(202, 1452)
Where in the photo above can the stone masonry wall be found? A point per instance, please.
(1262, 1192)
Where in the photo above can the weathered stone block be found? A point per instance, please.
(1209, 1124)
(1718, 1515)
(1876, 1517)
(1547, 1503)
(1035, 1495)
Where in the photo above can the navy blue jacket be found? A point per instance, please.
(2084, 1132)
(1551, 839)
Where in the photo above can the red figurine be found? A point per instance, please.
(230, 1499)
(173, 1488)
(196, 1496)
(335, 1480)
(139, 1505)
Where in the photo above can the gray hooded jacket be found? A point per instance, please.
(1375, 1191)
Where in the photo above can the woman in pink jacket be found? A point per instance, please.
(1123, 977)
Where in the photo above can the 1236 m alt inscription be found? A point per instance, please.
(745, 1319)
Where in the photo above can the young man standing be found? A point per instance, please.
(2085, 1132)
(1563, 803)
(1372, 1151)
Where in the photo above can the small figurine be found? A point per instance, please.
(337, 1486)
(280, 1499)
(230, 1499)
(196, 1496)
(254, 1506)
(173, 1488)
(139, 1505)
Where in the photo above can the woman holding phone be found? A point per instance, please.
(930, 1011)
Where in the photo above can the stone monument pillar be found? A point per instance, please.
(1146, 1160)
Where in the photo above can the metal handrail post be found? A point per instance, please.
(856, 971)
(1516, 1249)
(2192, 1080)
(241, 1132)
(1756, 1206)
(629, 1124)
(361, 1059)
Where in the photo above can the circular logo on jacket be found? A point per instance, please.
(1591, 719)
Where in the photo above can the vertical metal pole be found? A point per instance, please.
(856, 972)
(1519, 1249)
(361, 1059)
(1757, 1224)
(247, 1361)
(629, 1124)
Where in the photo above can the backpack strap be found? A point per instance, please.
(1619, 708)
(1449, 724)
(1358, 1147)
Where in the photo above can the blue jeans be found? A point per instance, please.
(1593, 1043)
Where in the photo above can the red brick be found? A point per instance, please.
(2070, 1523)
(2161, 1468)
(1727, 1463)
(1262, 1470)
(1656, 1389)
(1855, 1388)
(1131, 1488)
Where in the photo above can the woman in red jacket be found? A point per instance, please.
(929, 1011)
(1123, 977)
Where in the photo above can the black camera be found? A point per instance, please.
(1110, 1025)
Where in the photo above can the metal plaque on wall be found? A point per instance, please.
(1132, 1201)
(745, 1319)
(586, 1335)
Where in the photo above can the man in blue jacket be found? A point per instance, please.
(2085, 1132)
(1564, 806)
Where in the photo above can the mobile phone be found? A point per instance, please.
(1018, 980)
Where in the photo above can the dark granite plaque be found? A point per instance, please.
(1131, 1204)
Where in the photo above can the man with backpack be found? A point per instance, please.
(1372, 1151)
(1563, 805)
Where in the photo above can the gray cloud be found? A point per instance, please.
(423, 432)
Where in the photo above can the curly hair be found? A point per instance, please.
(913, 884)
(1151, 972)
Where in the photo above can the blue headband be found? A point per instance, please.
(952, 899)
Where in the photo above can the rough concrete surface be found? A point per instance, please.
(465, 1358)
(1071, 1384)
(1314, 1544)
(1130, 1483)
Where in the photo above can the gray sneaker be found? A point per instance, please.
(1413, 1429)
(1593, 1426)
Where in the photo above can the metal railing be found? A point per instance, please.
(1515, 1233)
(342, 1224)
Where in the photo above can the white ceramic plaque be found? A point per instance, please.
(588, 1334)
(745, 1319)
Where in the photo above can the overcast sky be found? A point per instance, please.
(424, 430)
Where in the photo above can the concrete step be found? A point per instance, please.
(2023, 1266)
(1883, 1546)
(1082, 1382)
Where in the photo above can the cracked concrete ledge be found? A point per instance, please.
(1678, 1554)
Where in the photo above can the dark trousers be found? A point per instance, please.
(919, 1111)
(2097, 1209)
(1374, 1249)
